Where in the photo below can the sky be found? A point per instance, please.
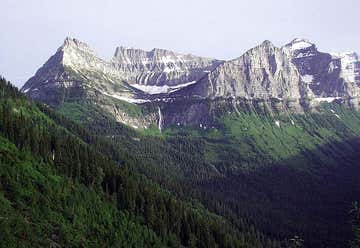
(32, 30)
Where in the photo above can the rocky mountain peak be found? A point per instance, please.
(76, 53)
(71, 44)
(266, 43)
(263, 72)
(261, 51)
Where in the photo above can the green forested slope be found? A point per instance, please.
(39, 208)
(56, 188)
(295, 178)
(298, 179)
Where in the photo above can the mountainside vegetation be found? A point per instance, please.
(287, 174)
(58, 188)
(254, 179)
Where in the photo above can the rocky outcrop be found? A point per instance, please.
(160, 67)
(75, 71)
(327, 75)
(263, 72)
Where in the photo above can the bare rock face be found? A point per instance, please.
(327, 75)
(133, 75)
(296, 71)
(73, 72)
(160, 67)
(263, 72)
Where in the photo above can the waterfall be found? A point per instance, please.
(160, 119)
(235, 107)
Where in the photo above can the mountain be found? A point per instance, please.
(328, 75)
(263, 72)
(296, 77)
(76, 71)
(295, 71)
(76, 74)
(253, 141)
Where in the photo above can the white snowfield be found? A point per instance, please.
(153, 89)
(326, 99)
(299, 44)
(124, 98)
(308, 78)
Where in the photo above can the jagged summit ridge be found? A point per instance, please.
(296, 70)
(130, 75)
(73, 42)
(160, 67)
(74, 70)
(264, 71)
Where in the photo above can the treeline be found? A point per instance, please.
(177, 223)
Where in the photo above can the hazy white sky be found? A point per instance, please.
(32, 30)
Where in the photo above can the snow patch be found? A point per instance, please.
(123, 98)
(326, 99)
(299, 44)
(277, 122)
(304, 55)
(154, 89)
(308, 78)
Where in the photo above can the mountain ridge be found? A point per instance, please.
(295, 77)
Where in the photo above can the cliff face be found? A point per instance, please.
(263, 72)
(160, 67)
(75, 71)
(328, 75)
